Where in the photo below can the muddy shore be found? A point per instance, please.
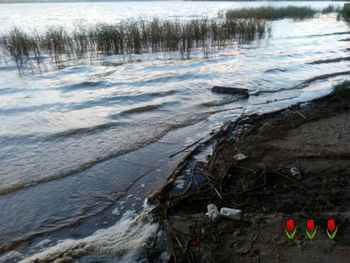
(312, 138)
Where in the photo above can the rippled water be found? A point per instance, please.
(60, 123)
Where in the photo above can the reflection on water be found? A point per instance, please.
(60, 123)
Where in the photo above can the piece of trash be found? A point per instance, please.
(295, 173)
(240, 157)
(231, 213)
(213, 213)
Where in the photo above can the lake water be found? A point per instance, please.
(81, 135)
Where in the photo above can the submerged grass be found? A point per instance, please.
(128, 37)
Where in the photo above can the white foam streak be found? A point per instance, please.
(126, 241)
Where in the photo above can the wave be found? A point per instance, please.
(126, 241)
(333, 60)
(140, 109)
(303, 84)
(274, 70)
(104, 101)
(324, 76)
(160, 128)
(86, 85)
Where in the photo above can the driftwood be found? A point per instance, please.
(231, 90)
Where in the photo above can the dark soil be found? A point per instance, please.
(312, 137)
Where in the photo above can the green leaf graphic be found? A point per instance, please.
(291, 235)
(311, 235)
(332, 235)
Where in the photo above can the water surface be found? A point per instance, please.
(81, 122)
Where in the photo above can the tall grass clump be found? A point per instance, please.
(21, 46)
(343, 15)
(331, 9)
(128, 37)
(272, 13)
(341, 87)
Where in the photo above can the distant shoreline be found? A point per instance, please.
(103, 1)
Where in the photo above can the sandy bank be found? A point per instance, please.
(312, 137)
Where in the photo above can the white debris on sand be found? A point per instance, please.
(213, 213)
(240, 157)
(231, 213)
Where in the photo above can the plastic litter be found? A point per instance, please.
(240, 157)
(231, 213)
(295, 172)
(213, 213)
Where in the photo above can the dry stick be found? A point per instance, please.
(302, 115)
(212, 185)
(189, 146)
(223, 178)
(173, 234)
(284, 176)
(245, 168)
(257, 187)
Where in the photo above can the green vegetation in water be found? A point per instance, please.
(343, 15)
(341, 87)
(331, 9)
(274, 13)
(137, 37)
(130, 37)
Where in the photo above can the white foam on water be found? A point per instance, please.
(11, 256)
(126, 241)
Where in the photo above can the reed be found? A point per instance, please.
(128, 37)
(273, 13)
(331, 9)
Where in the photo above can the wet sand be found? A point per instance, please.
(313, 137)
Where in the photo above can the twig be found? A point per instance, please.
(189, 146)
(212, 185)
(172, 233)
(245, 168)
(300, 114)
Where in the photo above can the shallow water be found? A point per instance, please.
(66, 132)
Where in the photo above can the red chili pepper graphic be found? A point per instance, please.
(310, 229)
(290, 228)
(331, 229)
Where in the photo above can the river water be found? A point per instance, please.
(76, 142)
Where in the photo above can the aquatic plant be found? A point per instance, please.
(341, 87)
(273, 13)
(331, 9)
(343, 15)
(128, 37)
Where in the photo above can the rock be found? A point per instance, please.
(231, 213)
(213, 213)
(230, 90)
